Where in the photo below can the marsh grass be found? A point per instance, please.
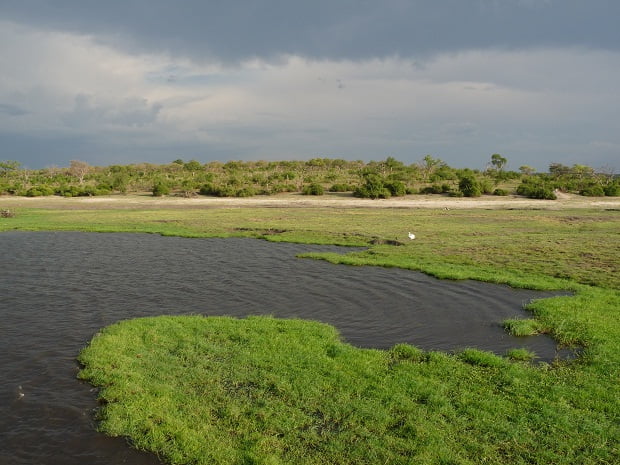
(219, 390)
(264, 391)
(524, 327)
(520, 354)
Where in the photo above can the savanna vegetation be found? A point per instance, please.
(375, 179)
(262, 390)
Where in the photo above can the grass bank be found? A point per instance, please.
(260, 390)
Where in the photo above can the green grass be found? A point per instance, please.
(259, 390)
(520, 354)
(524, 327)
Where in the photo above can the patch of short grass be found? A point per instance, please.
(217, 390)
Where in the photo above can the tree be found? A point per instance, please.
(430, 165)
(558, 169)
(79, 169)
(498, 161)
(192, 166)
(9, 165)
(527, 170)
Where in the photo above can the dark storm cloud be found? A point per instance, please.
(235, 30)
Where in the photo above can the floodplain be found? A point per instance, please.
(264, 390)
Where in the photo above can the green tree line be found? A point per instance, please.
(374, 179)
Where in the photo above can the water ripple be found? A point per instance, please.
(59, 288)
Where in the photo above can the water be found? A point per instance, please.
(58, 288)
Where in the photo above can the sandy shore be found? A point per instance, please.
(331, 200)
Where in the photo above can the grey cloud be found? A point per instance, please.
(236, 30)
(134, 112)
(12, 110)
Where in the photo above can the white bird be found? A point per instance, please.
(411, 236)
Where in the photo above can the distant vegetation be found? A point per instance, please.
(375, 179)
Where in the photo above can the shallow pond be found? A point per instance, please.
(58, 288)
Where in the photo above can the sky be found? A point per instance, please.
(131, 81)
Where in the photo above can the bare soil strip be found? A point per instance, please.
(146, 201)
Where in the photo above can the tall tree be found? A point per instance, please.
(79, 169)
(498, 161)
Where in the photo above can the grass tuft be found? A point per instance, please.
(481, 358)
(524, 327)
(407, 352)
(520, 354)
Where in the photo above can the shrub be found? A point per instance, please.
(340, 188)
(313, 189)
(470, 187)
(67, 191)
(38, 191)
(536, 189)
(160, 189)
(612, 190)
(246, 192)
(592, 191)
(434, 189)
(277, 188)
(208, 189)
(486, 187)
(501, 192)
(226, 191)
(396, 188)
(88, 191)
(373, 188)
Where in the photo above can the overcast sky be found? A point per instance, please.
(118, 82)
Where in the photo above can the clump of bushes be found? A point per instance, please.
(501, 192)
(227, 190)
(536, 189)
(612, 189)
(341, 188)
(313, 189)
(373, 188)
(434, 189)
(160, 189)
(593, 191)
(396, 188)
(39, 191)
(470, 187)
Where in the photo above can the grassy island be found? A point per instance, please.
(262, 390)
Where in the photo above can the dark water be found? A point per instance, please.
(57, 289)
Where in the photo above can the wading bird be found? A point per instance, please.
(411, 236)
